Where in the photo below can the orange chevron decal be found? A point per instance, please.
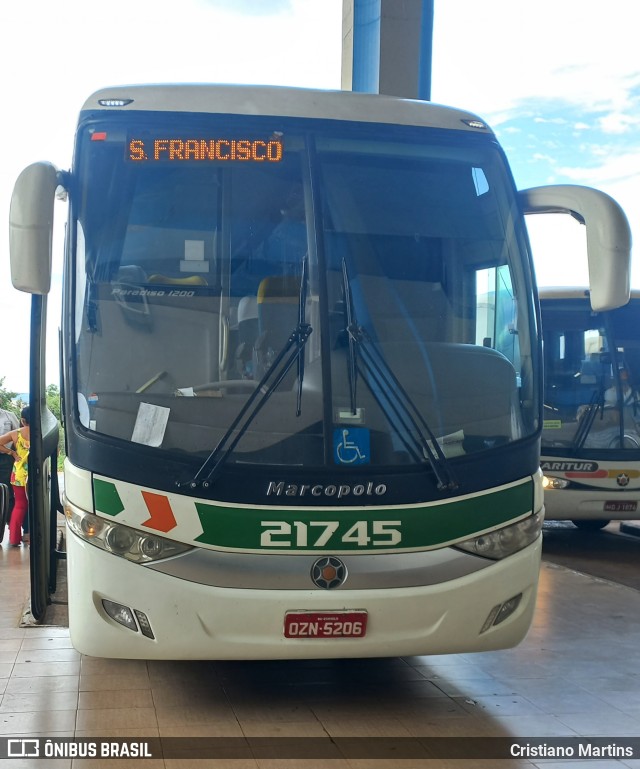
(162, 518)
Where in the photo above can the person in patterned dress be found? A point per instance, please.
(20, 438)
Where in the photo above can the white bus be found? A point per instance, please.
(591, 434)
(302, 376)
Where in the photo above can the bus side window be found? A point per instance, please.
(496, 313)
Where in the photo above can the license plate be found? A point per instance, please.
(320, 624)
(620, 507)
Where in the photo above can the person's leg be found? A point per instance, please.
(18, 515)
(26, 537)
(6, 468)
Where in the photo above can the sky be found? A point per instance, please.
(557, 80)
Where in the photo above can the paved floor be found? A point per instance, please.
(612, 553)
(576, 674)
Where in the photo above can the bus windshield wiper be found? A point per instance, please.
(302, 307)
(588, 417)
(394, 401)
(353, 349)
(292, 351)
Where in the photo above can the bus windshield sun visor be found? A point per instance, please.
(292, 351)
(393, 399)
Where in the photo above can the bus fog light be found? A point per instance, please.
(501, 612)
(121, 614)
(507, 609)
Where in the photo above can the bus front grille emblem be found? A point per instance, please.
(328, 572)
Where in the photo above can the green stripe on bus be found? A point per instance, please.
(419, 527)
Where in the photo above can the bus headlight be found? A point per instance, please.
(505, 541)
(120, 539)
(550, 482)
(116, 538)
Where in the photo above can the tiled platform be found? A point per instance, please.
(577, 673)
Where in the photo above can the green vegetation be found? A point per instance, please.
(54, 405)
(10, 401)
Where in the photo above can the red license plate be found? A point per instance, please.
(620, 507)
(321, 624)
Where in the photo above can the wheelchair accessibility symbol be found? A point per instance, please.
(351, 446)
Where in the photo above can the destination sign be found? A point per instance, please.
(204, 150)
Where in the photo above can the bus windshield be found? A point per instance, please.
(203, 243)
(592, 375)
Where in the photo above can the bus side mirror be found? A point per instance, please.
(608, 236)
(31, 228)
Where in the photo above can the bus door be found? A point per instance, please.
(42, 488)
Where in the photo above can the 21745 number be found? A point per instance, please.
(329, 534)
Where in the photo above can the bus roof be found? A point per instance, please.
(572, 292)
(285, 102)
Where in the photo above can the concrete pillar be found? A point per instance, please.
(387, 47)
